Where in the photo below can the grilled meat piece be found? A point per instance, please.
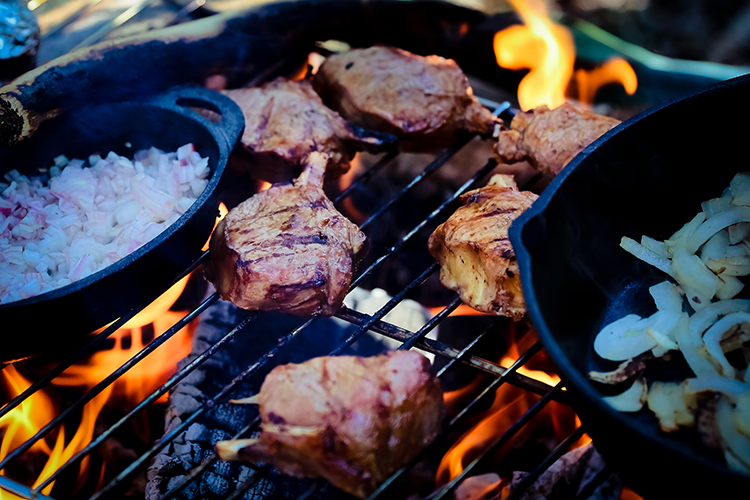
(349, 419)
(424, 101)
(549, 139)
(286, 248)
(475, 255)
(285, 121)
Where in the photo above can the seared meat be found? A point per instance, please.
(286, 248)
(474, 252)
(549, 139)
(351, 420)
(285, 121)
(425, 101)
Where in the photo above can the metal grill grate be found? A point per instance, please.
(363, 322)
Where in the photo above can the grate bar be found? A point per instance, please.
(458, 419)
(492, 163)
(367, 175)
(434, 165)
(88, 348)
(512, 430)
(173, 380)
(385, 309)
(207, 462)
(206, 405)
(157, 342)
(431, 324)
(529, 480)
(441, 349)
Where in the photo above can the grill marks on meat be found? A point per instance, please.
(286, 248)
(351, 420)
(286, 121)
(475, 255)
(425, 101)
(549, 139)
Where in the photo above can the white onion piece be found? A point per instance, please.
(729, 288)
(623, 339)
(716, 246)
(666, 296)
(656, 246)
(690, 271)
(723, 385)
(689, 348)
(662, 339)
(738, 232)
(742, 414)
(714, 334)
(715, 206)
(631, 400)
(644, 254)
(667, 400)
(715, 224)
(681, 237)
(701, 320)
(739, 187)
(734, 442)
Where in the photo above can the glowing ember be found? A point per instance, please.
(547, 50)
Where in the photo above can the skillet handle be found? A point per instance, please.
(231, 122)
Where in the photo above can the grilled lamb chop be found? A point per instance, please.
(425, 101)
(549, 139)
(474, 252)
(285, 121)
(286, 248)
(351, 420)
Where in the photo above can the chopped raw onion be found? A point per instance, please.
(56, 230)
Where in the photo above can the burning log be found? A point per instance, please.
(569, 476)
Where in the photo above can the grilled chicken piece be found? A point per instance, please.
(424, 101)
(549, 139)
(285, 121)
(475, 255)
(351, 420)
(286, 248)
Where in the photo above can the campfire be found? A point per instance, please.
(68, 426)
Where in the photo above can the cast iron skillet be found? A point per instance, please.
(41, 323)
(647, 176)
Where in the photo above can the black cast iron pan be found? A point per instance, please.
(167, 121)
(647, 176)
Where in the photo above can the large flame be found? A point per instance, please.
(509, 405)
(136, 384)
(547, 50)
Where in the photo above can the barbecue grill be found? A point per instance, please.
(468, 356)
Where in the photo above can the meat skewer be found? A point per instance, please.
(425, 101)
(286, 248)
(286, 121)
(475, 255)
(349, 419)
(550, 138)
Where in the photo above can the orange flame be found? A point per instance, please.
(138, 382)
(37, 410)
(616, 70)
(509, 405)
(548, 51)
(32, 414)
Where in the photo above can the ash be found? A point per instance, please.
(224, 421)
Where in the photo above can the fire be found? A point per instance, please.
(462, 310)
(37, 410)
(136, 384)
(509, 405)
(548, 51)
